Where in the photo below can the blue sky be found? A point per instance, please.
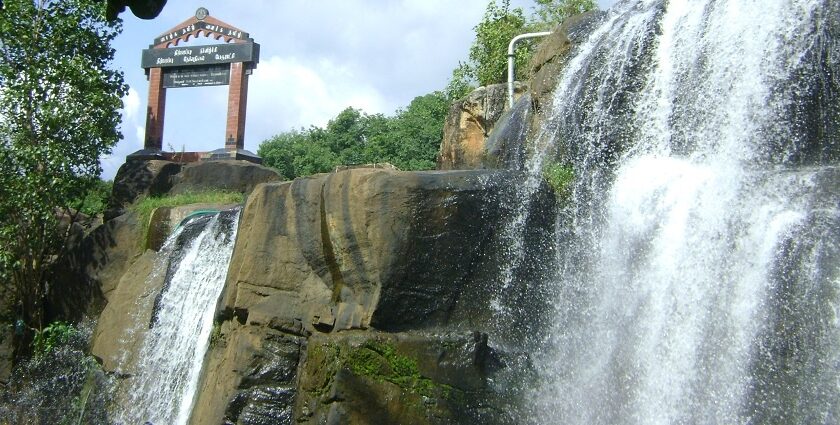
(317, 58)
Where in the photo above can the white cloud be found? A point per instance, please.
(318, 57)
(140, 135)
(131, 105)
(289, 93)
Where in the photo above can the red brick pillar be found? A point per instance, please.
(155, 111)
(237, 101)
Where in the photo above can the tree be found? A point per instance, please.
(409, 140)
(488, 53)
(415, 133)
(345, 136)
(487, 62)
(279, 152)
(59, 111)
(144, 9)
(550, 13)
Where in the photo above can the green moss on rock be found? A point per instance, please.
(560, 178)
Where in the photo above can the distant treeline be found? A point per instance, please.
(409, 140)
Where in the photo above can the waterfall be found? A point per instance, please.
(171, 357)
(700, 280)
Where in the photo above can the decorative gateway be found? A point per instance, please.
(170, 66)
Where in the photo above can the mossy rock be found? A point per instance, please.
(366, 378)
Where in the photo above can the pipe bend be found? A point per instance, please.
(511, 56)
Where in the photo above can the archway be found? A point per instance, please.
(169, 66)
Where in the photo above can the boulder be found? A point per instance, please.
(353, 249)
(469, 122)
(137, 178)
(227, 175)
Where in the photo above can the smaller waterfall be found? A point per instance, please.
(169, 363)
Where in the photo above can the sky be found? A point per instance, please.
(317, 57)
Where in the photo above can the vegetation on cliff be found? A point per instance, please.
(487, 63)
(59, 111)
(63, 374)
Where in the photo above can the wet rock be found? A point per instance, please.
(552, 54)
(251, 376)
(123, 323)
(505, 147)
(469, 122)
(406, 378)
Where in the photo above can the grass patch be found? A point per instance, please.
(380, 361)
(146, 206)
(560, 177)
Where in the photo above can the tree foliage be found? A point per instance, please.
(488, 53)
(550, 13)
(59, 111)
(409, 140)
(487, 63)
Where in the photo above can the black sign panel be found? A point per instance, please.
(200, 55)
(213, 75)
(201, 25)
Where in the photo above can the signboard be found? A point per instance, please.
(200, 55)
(213, 75)
(201, 25)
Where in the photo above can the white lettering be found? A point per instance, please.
(161, 61)
(208, 50)
(228, 56)
(181, 52)
(189, 59)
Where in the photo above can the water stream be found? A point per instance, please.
(700, 282)
(171, 357)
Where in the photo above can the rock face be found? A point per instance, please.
(552, 54)
(365, 295)
(94, 268)
(124, 321)
(355, 250)
(469, 122)
(417, 378)
(138, 178)
(229, 175)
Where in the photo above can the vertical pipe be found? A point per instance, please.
(511, 56)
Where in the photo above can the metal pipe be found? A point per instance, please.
(511, 58)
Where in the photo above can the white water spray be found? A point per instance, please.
(702, 281)
(172, 354)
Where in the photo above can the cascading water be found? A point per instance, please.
(171, 357)
(700, 280)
